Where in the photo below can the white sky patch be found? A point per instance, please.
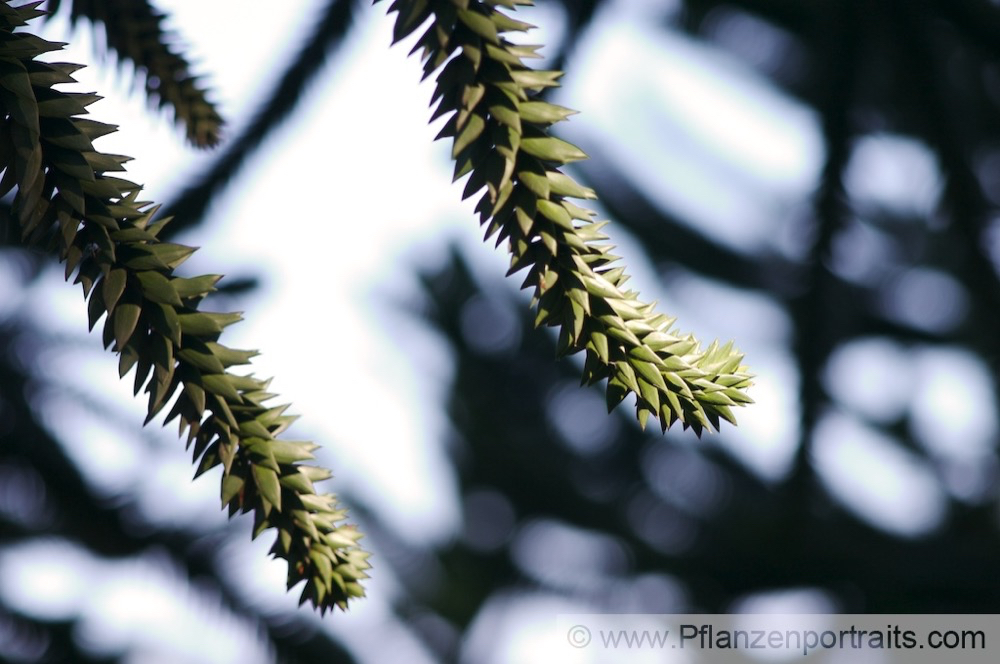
(169, 498)
(128, 606)
(697, 130)
(954, 406)
(109, 460)
(82, 365)
(875, 478)
(519, 629)
(549, 20)
(50, 579)
(767, 436)
(894, 172)
(874, 377)
(647, 10)
(716, 310)
(945, 392)
(55, 306)
(241, 76)
(789, 601)
(926, 299)
(141, 606)
(256, 576)
(369, 629)
(377, 636)
(954, 417)
(11, 285)
(560, 555)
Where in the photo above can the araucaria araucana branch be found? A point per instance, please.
(501, 141)
(67, 201)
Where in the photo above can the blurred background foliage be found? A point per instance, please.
(882, 318)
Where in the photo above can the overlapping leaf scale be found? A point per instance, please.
(500, 140)
(134, 30)
(68, 200)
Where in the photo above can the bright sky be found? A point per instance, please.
(351, 197)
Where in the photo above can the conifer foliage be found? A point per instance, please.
(500, 139)
(133, 29)
(68, 200)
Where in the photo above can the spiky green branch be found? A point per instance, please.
(67, 201)
(501, 140)
(134, 30)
